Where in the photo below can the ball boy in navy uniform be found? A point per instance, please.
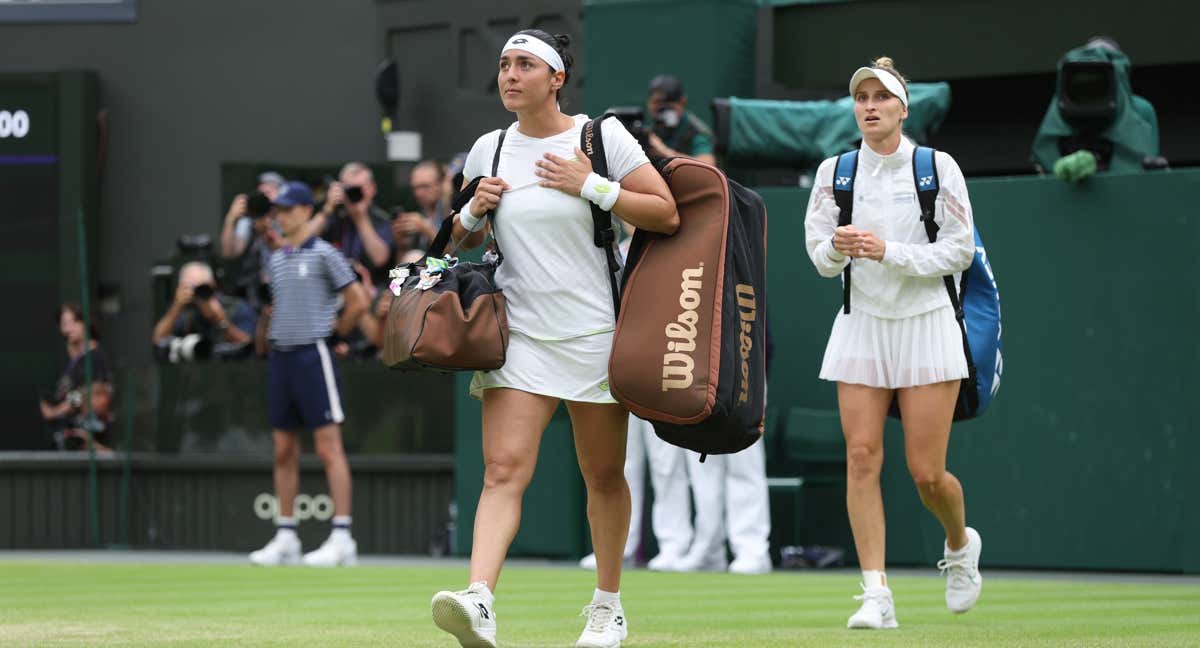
(306, 276)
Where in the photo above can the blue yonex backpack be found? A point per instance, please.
(978, 310)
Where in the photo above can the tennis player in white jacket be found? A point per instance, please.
(900, 339)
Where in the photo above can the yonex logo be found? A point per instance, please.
(925, 181)
(843, 181)
(620, 620)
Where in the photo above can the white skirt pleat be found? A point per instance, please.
(895, 353)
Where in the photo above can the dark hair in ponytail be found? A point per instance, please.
(560, 43)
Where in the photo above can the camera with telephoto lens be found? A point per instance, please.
(354, 194)
(258, 205)
(634, 120)
(189, 348)
(203, 292)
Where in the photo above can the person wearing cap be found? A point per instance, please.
(676, 132)
(247, 235)
(900, 340)
(241, 226)
(307, 274)
(561, 322)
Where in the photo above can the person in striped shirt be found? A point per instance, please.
(307, 274)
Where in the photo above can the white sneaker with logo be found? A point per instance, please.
(283, 549)
(339, 550)
(878, 611)
(964, 583)
(605, 627)
(466, 615)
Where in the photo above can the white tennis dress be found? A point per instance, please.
(901, 330)
(555, 279)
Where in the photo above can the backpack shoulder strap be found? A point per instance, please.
(496, 155)
(843, 195)
(925, 178)
(461, 196)
(591, 142)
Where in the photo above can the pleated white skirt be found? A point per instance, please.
(894, 353)
(575, 369)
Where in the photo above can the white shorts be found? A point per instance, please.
(894, 353)
(575, 369)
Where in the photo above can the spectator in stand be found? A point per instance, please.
(352, 222)
(415, 230)
(201, 309)
(247, 235)
(76, 420)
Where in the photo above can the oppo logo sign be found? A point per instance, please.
(14, 124)
(305, 507)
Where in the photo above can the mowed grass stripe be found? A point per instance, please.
(104, 604)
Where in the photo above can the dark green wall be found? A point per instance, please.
(817, 44)
(708, 44)
(1085, 458)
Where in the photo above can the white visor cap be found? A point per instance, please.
(889, 81)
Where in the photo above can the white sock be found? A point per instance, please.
(285, 526)
(341, 527)
(874, 578)
(606, 597)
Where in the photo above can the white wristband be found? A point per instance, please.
(600, 191)
(468, 220)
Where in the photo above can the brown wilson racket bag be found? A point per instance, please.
(689, 349)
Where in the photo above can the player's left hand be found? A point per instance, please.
(868, 246)
(562, 174)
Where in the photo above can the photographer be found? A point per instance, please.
(352, 222)
(676, 131)
(199, 310)
(254, 238)
(246, 221)
(415, 230)
(74, 419)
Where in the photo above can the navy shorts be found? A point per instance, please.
(305, 389)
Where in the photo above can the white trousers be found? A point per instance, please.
(731, 504)
(671, 513)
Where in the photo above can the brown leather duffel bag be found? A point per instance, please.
(449, 315)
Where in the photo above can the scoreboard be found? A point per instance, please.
(48, 186)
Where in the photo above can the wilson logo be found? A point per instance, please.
(747, 313)
(587, 139)
(678, 364)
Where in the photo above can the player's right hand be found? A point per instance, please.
(487, 196)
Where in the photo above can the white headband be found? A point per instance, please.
(537, 47)
(889, 81)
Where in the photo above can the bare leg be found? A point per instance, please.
(328, 440)
(863, 411)
(928, 412)
(287, 470)
(513, 422)
(600, 437)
